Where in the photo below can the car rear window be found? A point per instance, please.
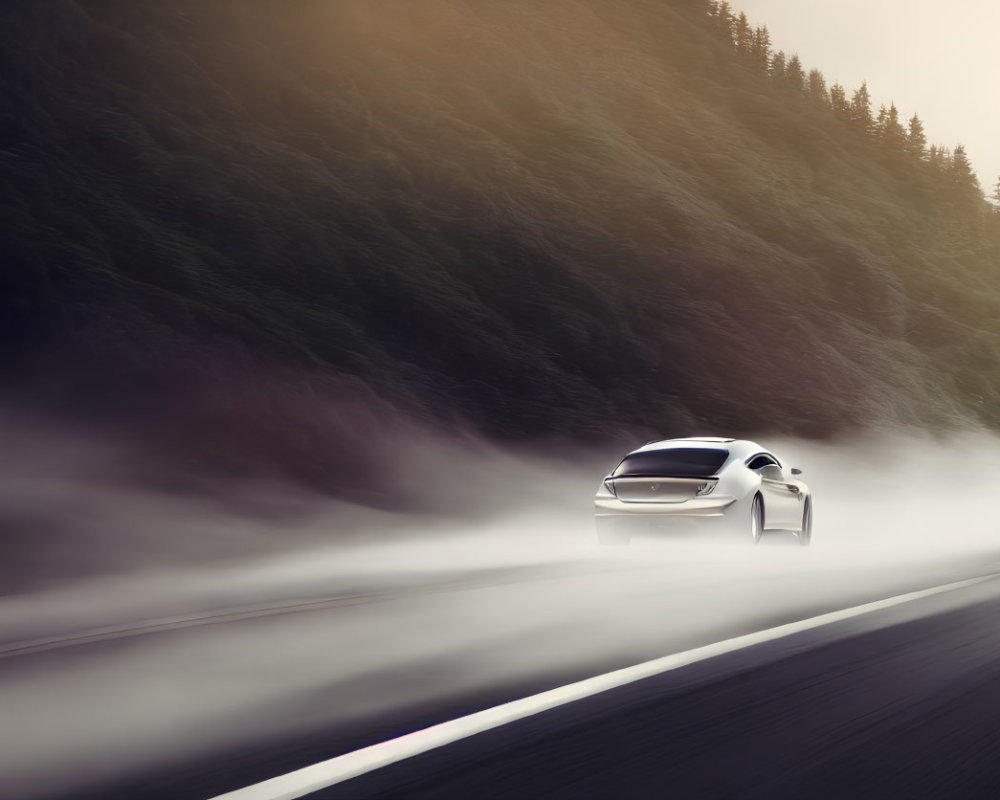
(683, 462)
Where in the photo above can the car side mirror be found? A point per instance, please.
(796, 471)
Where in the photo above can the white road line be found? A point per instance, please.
(350, 765)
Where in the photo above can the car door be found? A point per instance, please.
(782, 504)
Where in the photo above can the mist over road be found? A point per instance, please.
(901, 702)
(198, 677)
(349, 669)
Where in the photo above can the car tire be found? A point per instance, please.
(612, 532)
(757, 519)
(805, 532)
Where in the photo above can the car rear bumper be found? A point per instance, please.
(695, 507)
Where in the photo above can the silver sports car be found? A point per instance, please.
(736, 483)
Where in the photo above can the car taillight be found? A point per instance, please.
(705, 488)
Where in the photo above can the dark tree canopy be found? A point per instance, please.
(406, 199)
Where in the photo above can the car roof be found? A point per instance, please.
(708, 442)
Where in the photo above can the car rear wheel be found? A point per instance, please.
(805, 532)
(757, 519)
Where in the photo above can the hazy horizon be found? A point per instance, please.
(884, 43)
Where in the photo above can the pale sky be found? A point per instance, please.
(940, 60)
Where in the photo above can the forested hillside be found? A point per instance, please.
(558, 217)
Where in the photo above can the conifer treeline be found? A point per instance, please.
(754, 47)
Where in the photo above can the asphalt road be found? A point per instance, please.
(189, 685)
(908, 710)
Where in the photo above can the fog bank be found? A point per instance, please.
(146, 623)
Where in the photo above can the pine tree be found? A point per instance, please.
(880, 122)
(995, 197)
(778, 66)
(760, 48)
(817, 87)
(743, 35)
(893, 132)
(916, 139)
(838, 102)
(944, 158)
(724, 21)
(960, 169)
(861, 108)
(795, 76)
